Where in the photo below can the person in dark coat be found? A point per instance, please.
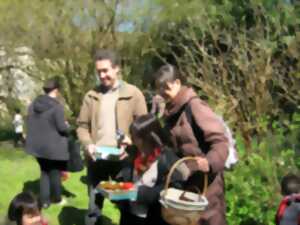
(47, 142)
(210, 154)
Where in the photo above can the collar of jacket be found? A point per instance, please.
(183, 96)
(122, 87)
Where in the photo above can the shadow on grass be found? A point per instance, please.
(33, 186)
(72, 216)
(83, 179)
(107, 221)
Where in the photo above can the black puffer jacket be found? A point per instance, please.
(46, 129)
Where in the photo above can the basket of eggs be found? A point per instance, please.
(116, 191)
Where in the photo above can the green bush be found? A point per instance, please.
(253, 187)
(241, 55)
(253, 190)
(6, 134)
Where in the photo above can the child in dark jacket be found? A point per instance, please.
(148, 171)
(288, 212)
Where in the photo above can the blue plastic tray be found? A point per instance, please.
(106, 152)
(118, 195)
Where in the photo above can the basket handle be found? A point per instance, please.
(174, 166)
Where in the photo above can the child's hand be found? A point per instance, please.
(126, 141)
(123, 154)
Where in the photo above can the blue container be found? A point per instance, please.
(106, 152)
(118, 195)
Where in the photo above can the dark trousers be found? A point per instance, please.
(18, 138)
(98, 171)
(130, 219)
(50, 180)
(154, 216)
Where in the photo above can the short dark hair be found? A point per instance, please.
(24, 202)
(290, 184)
(148, 128)
(51, 84)
(167, 73)
(108, 54)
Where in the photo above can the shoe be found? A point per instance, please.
(62, 202)
(93, 219)
(45, 205)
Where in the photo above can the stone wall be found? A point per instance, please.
(20, 81)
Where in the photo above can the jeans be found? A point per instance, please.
(50, 180)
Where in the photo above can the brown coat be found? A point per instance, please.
(186, 143)
(130, 104)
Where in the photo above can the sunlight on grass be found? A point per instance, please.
(19, 171)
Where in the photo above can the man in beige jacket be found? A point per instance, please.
(106, 111)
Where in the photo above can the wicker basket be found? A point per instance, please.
(173, 215)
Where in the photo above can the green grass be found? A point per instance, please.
(19, 171)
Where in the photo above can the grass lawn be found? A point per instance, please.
(19, 171)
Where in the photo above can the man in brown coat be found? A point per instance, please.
(106, 112)
(210, 154)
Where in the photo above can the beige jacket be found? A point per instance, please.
(130, 104)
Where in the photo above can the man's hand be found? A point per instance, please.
(91, 150)
(67, 123)
(202, 164)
